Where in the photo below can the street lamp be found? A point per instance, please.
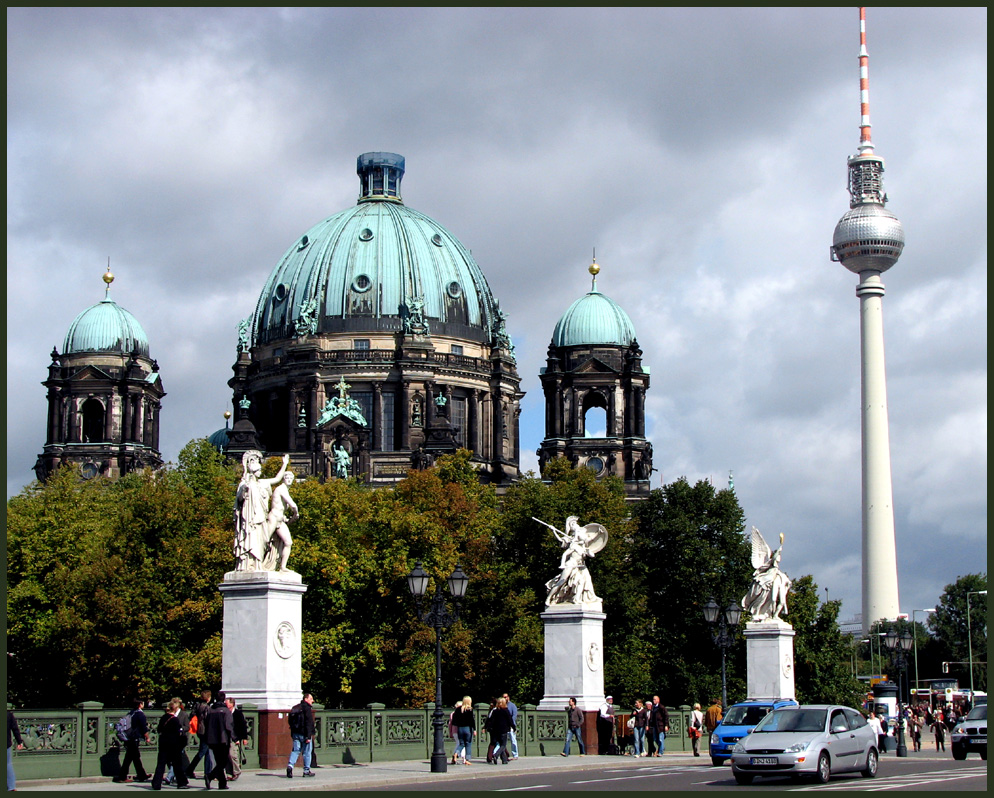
(723, 637)
(438, 617)
(899, 645)
(914, 630)
(969, 637)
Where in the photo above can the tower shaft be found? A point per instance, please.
(880, 594)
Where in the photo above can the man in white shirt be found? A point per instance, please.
(605, 725)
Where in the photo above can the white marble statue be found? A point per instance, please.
(767, 597)
(572, 585)
(252, 512)
(283, 511)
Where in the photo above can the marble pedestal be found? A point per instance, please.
(574, 656)
(260, 656)
(769, 659)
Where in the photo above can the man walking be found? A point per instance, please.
(171, 741)
(712, 717)
(605, 726)
(220, 732)
(238, 740)
(512, 734)
(132, 752)
(200, 712)
(574, 726)
(660, 724)
(302, 731)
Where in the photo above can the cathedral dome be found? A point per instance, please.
(106, 327)
(362, 270)
(594, 319)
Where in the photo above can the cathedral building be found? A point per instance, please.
(594, 383)
(104, 396)
(376, 345)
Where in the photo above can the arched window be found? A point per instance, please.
(93, 421)
(594, 415)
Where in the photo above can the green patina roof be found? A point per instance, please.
(594, 319)
(362, 265)
(105, 327)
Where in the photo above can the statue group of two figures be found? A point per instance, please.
(263, 508)
(766, 599)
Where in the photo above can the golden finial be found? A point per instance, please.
(594, 268)
(108, 279)
(227, 414)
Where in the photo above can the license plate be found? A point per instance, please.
(764, 760)
(978, 740)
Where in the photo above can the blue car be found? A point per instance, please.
(740, 719)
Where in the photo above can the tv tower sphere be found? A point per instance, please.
(868, 238)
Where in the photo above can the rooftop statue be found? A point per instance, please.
(572, 585)
(342, 405)
(243, 335)
(767, 597)
(253, 516)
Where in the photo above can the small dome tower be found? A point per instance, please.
(104, 395)
(595, 383)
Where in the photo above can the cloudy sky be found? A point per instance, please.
(702, 152)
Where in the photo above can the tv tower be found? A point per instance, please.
(868, 240)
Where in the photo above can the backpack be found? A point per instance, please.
(123, 728)
(296, 720)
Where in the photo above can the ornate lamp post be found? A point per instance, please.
(969, 636)
(914, 630)
(726, 622)
(438, 617)
(899, 645)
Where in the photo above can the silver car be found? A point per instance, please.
(970, 734)
(813, 740)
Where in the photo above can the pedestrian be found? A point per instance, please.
(874, 723)
(650, 736)
(171, 742)
(220, 732)
(199, 719)
(464, 724)
(132, 752)
(238, 740)
(712, 717)
(574, 728)
(915, 729)
(486, 728)
(605, 726)
(659, 722)
(500, 724)
(301, 721)
(637, 722)
(512, 734)
(939, 727)
(13, 735)
(696, 728)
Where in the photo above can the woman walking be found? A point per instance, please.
(465, 725)
(696, 725)
(499, 724)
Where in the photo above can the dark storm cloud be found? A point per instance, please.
(701, 151)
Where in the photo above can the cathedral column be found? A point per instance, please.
(109, 418)
(405, 416)
(474, 421)
(376, 444)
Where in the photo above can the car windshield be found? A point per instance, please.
(978, 713)
(794, 720)
(745, 716)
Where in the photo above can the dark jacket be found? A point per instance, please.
(308, 727)
(201, 710)
(500, 721)
(463, 718)
(641, 718)
(239, 725)
(575, 716)
(220, 726)
(184, 723)
(139, 725)
(171, 735)
(659, 719)
(13, 732)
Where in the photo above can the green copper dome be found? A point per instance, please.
(106, 327)
(594, 319)
(366, 268)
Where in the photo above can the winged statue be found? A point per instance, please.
(767, 597)
(572, 585)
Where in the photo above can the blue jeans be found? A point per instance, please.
(570, 734)
(513, 738)
(11, 781)
(660, 742)
(298, 745)
(639, 740)
(464, 742)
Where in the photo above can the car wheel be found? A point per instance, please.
(743, 778)
(959, 752)
(716, 761)
(872, 760)
(824, 772)
(983, 754)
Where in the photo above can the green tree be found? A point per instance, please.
(954, 634)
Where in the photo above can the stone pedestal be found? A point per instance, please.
(260, 656)
(574, 656)
(769, 659)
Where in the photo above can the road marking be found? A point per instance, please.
(620, 778)
(531, 787)
(897, 782)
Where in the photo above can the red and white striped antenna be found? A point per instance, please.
(865, 144)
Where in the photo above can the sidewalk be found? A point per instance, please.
(377, 774)
(380, 774)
